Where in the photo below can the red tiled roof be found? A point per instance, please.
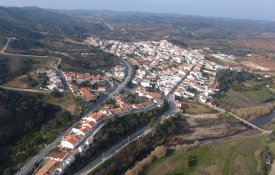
(126, 108)
(87, 95)
(85, 129)
(84, 76)
(91, 123)
(115, 111)
(69, 74)
(72, 139)
(153, 94)
(58, 154)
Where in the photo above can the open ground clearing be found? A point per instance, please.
(234, 156)
(14, 68)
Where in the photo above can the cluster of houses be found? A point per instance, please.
(81, 136)
(76, 82)
(200, 84)
(118, 73)
(162, 65)
(54, 80)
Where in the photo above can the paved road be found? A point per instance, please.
(112, 151)
(103, 99)
(6, 46)
(26, 168)
(23, 55)
(25, 90)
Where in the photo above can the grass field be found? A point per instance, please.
(234, 99)
(258, 96)
(68, 103)
(12, 67)
(255, 92)
(237, 156)
(196, 108)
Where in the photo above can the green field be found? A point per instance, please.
(259, 95)
(234, 99)
(237, 156)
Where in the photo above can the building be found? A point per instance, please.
(49, 168)
(87, 95)
(70, 141)
(58, 155)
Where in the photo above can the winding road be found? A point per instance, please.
(37, 158)
(2, 52)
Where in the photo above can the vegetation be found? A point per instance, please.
(195, 108)
(226, 78)
(27, 123)
(15, 66)
(93, 62)
(114, 131)
(135, 99)
(36, 24)
(158, 153)
(237, 156)
(254, 112)
(253, 91)
(137, 150)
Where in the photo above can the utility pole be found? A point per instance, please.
(103, 155)
(128, 139)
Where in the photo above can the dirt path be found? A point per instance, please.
(272, 171)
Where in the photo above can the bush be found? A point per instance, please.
(186, 147)
(158, 153)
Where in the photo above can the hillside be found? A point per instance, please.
(36, 23)
(28, 122)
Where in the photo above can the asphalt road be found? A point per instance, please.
(25, 90)
(28, 166)
(116, 148)
(112, 151)
(6, 46)
(2, 52)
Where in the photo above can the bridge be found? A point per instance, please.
(247, 123)
(250, 124)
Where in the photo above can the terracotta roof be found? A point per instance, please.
(95, 116)
(139, 106)
(69, 74)
(91, 123)
(85, 129)
(84, 76)
(86, 94)
(58, 154)
(115, 111)
(73, 139)
(48, 168)
(153, 94)
(126, 108)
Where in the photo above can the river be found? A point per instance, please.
(263, 120)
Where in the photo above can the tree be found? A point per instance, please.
(56, 93)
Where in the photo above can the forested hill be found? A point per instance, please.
(27, 123)
(36, 23)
